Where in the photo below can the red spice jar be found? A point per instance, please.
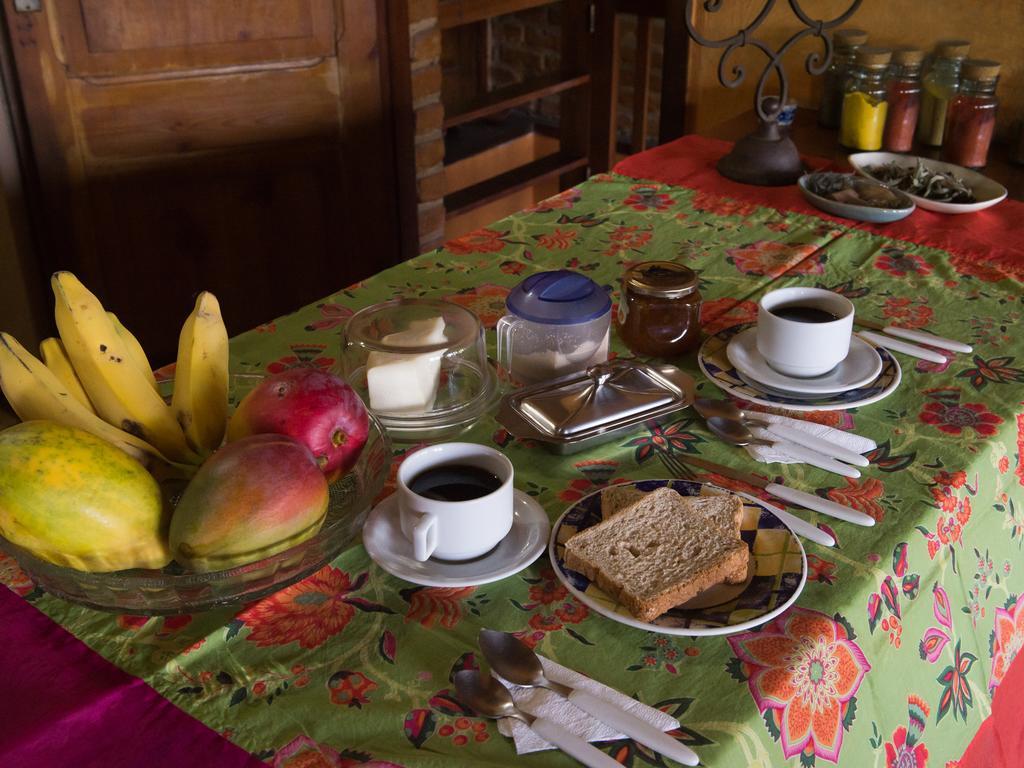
(904, 99)
(972, 115)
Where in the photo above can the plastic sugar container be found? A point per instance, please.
(557, 324)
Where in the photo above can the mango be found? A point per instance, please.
(75, 500)
(253, 498)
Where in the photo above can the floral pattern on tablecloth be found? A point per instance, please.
(890, 656)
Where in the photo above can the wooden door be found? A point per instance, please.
(242, 147)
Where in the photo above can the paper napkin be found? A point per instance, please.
(777, 453)
(544, 703)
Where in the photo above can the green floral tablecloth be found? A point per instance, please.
(895, 646)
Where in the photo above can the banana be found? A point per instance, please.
(35, 392)
(135, 351)
(119, 391)
(200, 401)
(56, 359)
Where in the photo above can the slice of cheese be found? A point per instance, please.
(407, 384)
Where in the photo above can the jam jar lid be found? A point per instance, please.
(560, 297)
(664, 279)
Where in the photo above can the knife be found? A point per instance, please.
(895, 345)
(921, 337)
(798, 525)
(785, 493)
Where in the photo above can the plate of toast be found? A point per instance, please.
(678, 557)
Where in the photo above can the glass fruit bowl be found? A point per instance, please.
(172, 590)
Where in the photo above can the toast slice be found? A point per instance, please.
(722, 510)
(658, 552)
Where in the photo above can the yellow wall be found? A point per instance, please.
(994, 27)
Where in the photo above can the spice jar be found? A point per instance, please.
(972, 115)
(659, 312)
(846, 41)
(939, 85)
(904, 96)
(864, 102)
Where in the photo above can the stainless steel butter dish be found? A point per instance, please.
(584, 409)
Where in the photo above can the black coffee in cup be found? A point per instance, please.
(802, 313)
(454, 482)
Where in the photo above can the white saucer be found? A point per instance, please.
(862, 365)
(388, 547)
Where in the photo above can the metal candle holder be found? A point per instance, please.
(766, 157)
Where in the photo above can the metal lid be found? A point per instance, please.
(848, 37)
(980, 69)
(907, 55)
(595, 405)
(664, 279)
(952, 49)
(869, 56)
(562, 297)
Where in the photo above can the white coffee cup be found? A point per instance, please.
(455, 530)
(804, 349)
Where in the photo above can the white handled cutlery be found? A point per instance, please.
(784, 492)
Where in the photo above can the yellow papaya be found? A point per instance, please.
(75, 500)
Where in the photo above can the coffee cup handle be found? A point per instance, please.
(424, 537)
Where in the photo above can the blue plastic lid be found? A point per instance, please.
(562, 297)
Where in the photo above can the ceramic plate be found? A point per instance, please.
(855, 211)
(714, 363)
(388, 547)
(986, 191)
(777, 574)
(861, 366)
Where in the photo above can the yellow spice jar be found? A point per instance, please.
(864, 103)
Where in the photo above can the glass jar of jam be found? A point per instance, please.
(939, 85)
(659, 312)
(865, 103)
(972, 115)
(904, 99)
(847, 41)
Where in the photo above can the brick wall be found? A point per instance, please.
(528, 43)
(425, 52)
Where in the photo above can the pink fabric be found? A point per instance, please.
(62, 704)
(690, 162)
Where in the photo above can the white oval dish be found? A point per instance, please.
(986, 191)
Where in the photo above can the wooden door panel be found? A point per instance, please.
(170, 117)
(188, 145)
(115, 38)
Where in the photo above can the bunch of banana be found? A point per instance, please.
(97, 377)
(35, 392)
(200, 401)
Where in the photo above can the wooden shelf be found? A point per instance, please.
(455, 13)
(524, 176)
(500, 99)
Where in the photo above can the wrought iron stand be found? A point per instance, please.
(766, 157)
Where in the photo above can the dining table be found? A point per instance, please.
(900, 650)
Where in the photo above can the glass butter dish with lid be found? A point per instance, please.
(420, 366)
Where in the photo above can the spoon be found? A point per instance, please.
(708, 407)
(737, 433)
(516, 662)
(489, 698)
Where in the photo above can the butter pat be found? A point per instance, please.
(400, 383)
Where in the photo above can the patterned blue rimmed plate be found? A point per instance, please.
(776, 577)
(714, 363)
